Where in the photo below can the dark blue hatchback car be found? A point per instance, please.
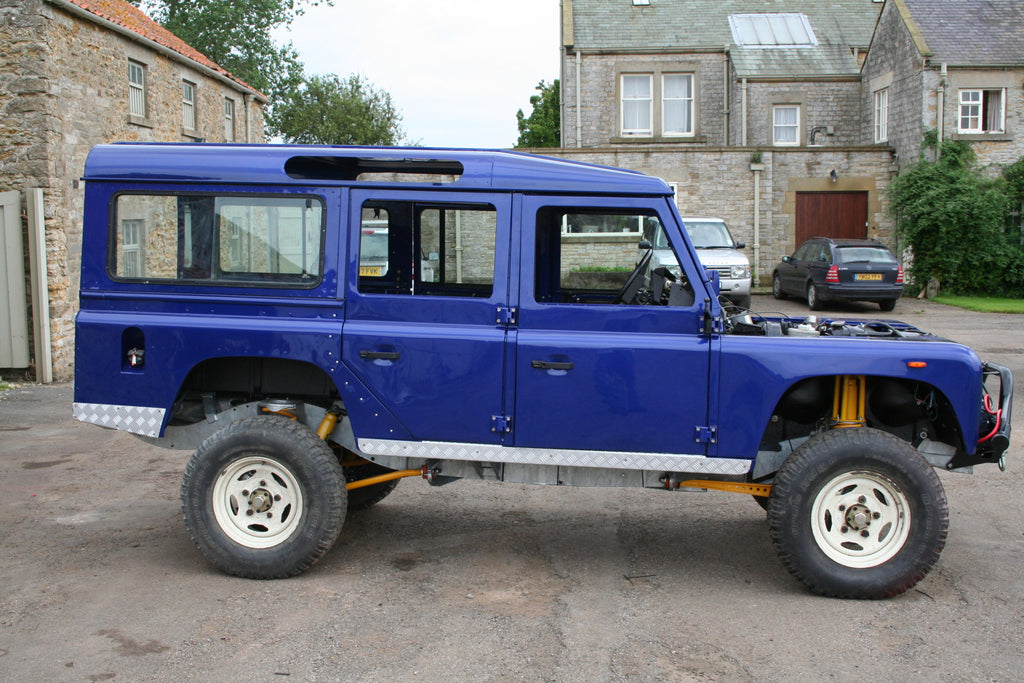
(825, 269)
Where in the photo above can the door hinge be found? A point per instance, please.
(501, 424)
(707, 434)
(506, 315)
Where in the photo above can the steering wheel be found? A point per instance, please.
(632, 285)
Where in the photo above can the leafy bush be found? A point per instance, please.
(955, 220)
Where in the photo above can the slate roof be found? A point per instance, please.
(618, 25)
(703, 25)
(134, 20)
(969, 32)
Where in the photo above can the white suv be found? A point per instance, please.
(716, 249)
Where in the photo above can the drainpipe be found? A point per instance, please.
(725, 89)
(743, 112)
(940, 104)
(757, 224)
(579, 94)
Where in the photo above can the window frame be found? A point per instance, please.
(229, 119)
(881, 109)
(188, 105)
(114, 252)
(983, 106)
(636, 132)
(689, 103)
(797, 127)
(137, 91)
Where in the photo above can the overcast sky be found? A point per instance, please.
(457, 69)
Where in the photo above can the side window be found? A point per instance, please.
(427, 249)
(580, 265)
(801, 254)
(222, 239)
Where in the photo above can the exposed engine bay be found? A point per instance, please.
(780, 325)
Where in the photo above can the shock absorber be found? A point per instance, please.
(849, 401)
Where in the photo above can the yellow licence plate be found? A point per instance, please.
(867, 276)
(370, 271)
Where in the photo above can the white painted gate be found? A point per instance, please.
(13, 304)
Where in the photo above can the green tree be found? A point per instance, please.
(237, 36)
(543, 127)
(328, 110)
(954, 218)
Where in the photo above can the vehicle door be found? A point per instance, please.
(420, 330)
(592, 374)
(793, 269)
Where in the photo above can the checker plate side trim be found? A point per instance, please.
(438, 450)
(134, 419)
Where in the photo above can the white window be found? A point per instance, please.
(786, 124)
(136, 89)
(981, 111)
(677, 104)
(637, 98)
(188, 105)
(882, 115)
(229, 119)
(131, 248)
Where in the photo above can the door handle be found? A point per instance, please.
(551, 365)
(379, 355)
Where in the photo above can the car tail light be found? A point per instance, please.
(832, 275)
(899, 275)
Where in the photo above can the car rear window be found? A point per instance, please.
(864, 254)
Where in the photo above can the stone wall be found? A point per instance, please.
(64, 89)
(822, 103)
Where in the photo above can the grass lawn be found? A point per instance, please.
(983, 304)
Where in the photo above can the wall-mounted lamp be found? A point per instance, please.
(833, 175)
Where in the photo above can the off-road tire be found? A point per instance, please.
(863, 481)
(264, 498)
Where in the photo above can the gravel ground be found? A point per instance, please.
(477, 581)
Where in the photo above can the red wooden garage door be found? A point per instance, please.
(831, 214)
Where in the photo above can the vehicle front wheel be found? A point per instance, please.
(777, 287)
(264, 498)
(857, 513)
(814, 300)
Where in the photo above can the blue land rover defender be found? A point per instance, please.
(319, 322)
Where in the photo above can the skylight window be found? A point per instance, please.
(772, 30)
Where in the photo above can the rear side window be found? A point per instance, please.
(421, 248)
(221, 239)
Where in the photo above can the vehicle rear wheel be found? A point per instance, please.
(857, 513)
(813, 298)
(264, 498)
(777, 287)
(887, 305)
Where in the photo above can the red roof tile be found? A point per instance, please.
(135, 20)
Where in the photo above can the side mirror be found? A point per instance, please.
(644, 244)
(741, 245)
(786, 259)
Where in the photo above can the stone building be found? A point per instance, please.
(73, 74)
(752, 110)
(950, 66)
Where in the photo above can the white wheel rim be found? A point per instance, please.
(257, 502)
(860, 519)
